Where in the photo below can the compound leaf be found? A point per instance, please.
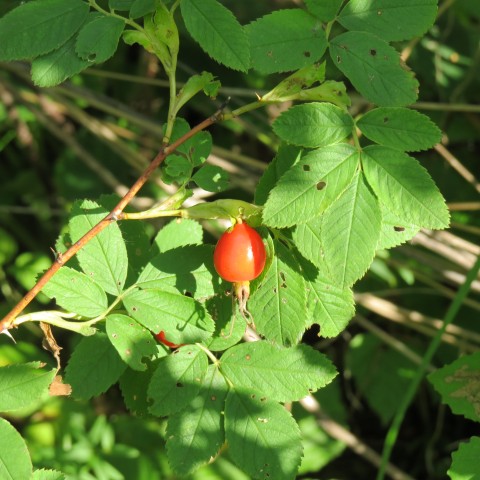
(96, 257)
(285, 40)
(400, 128)
(48, 475)
(404, 187)
(211, 178)
(391, 20)
(349, 233)
(282, 374)
(177, 380)
(15, 460)
(278, 306)
(262, 435)
(325, 10)
(313, 125)
(311, 185)
(93, 367)
(459, 384)
(196, 434)
(131, 340)
(217, 31)
(76, 292)
(183, 319)
(374, 69)
(23, 385)
(36, 28)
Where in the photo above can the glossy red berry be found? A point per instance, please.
(240, 254)
(160, 336)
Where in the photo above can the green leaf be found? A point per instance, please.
(217, 31)
(195, 435)
(183, 319)
(204, 81)
(212, 178)
(391, 20)
(286, 157)
(15, 460)
(282, 374)
(400, 128)
(23, 385)
(374, 69)
(289, 88)
(325, 10)
(311, 185)
(140, 8)
(55, 67)
(93, 367)
(329, 305)
(395, 230)
(465, 465)
(75, 292)
(405, 187)
(178, 233)
(262, 436)
(307, 239)
(229, 323)
(177, 380)
(130, 37)
(48, 475)
(186, 269)
(96, 259)
(134, 385)
(98, 40)
(36, 28)
(313, 125)
(132, 341)
(120, 4)
(278, 306)
(349, 233)
(381, 374)
(459, 384)
(285, 40)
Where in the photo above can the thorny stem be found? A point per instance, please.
(116, 214)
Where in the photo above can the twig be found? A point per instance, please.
(116, 214)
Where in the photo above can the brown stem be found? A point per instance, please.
(116, 214)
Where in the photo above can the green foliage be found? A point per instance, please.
(381, 374)
(374, 69)
(282, 374)
(217, 31)
(15, 461)
(97, 41)
(23, 385)
(340, 187)
(465, 461)
(389, 19)
(401, 128)
(93, 367)
(196, 434)
(109, 271)
(177, 380)
(52, 21)
(262, 436)
(76, 292)
(285, 40)
(313, 125)
(458, 385)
